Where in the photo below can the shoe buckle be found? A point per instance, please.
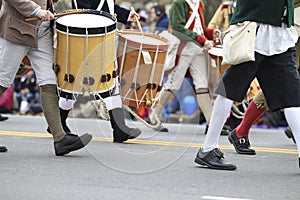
(242, 140)
(218, 153)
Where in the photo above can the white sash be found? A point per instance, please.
(194, 15)
(111, 6)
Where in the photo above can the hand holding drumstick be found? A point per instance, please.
(133, 16)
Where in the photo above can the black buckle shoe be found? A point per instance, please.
(71, 142)
(2, 118)
(241, 145)
(3, 149)
(213, 159)
(288, 132)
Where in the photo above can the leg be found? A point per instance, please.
(65, 106)
(210, 155)
(239, 136)
(232, 87)
(11, 56)
(42, 62)
(121, 132)
(292, 116)
(165, 96)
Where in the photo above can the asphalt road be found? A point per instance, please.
(154, 166)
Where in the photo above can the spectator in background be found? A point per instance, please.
(27, 94)
(158, 14)
(143, 20)
(6, 102)
(222, 16)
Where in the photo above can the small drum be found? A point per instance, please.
(85, 53)
(141, 59)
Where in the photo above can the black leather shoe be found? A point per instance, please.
(241, 145)
(3, 149)
(225, 130)
(213, 159)
(288, 132)
(71, 142)
(3, 118)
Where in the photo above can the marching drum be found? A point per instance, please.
(141, 59)
(85, 53)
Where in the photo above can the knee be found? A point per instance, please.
(260, 101)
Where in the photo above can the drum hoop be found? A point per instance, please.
(136, 45)
(74, 95)
(91, 31)
(80, 35)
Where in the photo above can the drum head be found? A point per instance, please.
(94, 22)
(149, 41)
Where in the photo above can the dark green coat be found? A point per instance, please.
(263, 11)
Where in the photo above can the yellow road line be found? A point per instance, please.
(153, 142)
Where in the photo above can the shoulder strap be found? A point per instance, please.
(100, 5)
(193, 15)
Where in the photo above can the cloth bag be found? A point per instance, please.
(239, 42)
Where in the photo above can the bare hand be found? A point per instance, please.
(133, 16)
(208, 44)
(45, 15)
(216, 33)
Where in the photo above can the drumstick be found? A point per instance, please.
(75, 3)
(59, 14)
(137, 20)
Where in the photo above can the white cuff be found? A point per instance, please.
(113, 102)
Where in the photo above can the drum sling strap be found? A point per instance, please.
(111, 6)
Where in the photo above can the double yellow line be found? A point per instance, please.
(153, 142)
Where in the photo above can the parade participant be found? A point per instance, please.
(158, 14)
(222, 16)
(240, 136)
(274, 67)
(19, 38)
(121, 132)
(193, 56)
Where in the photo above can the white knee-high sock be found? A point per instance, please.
(292, 116)
(221, 109)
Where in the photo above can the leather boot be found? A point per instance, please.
(3, 149)
(121, 132)
(63, 116)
